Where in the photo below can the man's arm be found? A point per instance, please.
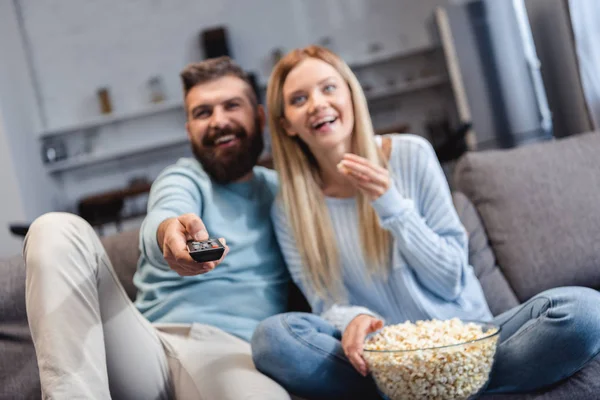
(173, 204)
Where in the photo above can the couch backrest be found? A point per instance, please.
(498, 293)
(123, 251)
(540, 208)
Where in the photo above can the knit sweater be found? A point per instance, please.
(429, 275)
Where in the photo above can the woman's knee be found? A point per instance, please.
(587, 305)
(274, 341)
(266, 341)
(579, 309)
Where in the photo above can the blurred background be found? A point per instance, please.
(91, 106)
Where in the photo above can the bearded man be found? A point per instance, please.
(186, 335)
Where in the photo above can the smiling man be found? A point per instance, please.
(186, 336)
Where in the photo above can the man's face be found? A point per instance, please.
(225, 128)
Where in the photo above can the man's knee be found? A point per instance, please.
(54, 222)
(57, 233)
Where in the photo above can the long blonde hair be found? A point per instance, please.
(301, 191)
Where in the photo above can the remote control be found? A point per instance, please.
(206, 250)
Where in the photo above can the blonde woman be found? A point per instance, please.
(369, 233)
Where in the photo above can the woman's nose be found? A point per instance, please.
(316, 102)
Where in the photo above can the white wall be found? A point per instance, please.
(20, 123)
(11, 206)
(77, 46)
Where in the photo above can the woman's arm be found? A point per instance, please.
(426, 229)
(338, 315)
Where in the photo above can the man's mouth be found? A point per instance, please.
(226, 141)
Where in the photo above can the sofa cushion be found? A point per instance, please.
(19, 376)
(123, 251)
(499, 295)
(583, 385)
(539, 206)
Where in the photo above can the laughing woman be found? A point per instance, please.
(369, 233)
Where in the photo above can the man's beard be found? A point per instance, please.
(233, 163)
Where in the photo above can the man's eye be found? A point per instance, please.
(233, 106)
(298, 99)
(201, 114)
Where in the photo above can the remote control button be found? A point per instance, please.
(214, 246)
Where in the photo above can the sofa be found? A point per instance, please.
(533, 223)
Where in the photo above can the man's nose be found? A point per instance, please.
(218, 119)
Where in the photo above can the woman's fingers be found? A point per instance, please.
(372, 189)
(363, 161)
(354, 337)
(353, 348)
(366, 172)
(363, 171)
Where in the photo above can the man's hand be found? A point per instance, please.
(172, 237)
(353, 340)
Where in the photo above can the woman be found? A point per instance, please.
(369, 233)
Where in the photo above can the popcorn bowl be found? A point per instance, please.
(442, 360)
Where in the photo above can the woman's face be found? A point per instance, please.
(317, 105)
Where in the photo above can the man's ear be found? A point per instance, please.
(262, 117)
(287, 127)
(187, 129)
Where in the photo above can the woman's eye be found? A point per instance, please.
(298, 99)
(329, 88)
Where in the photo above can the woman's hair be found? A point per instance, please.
(301, 192)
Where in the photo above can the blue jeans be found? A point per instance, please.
(545, 340)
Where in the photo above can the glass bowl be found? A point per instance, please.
(456, 371)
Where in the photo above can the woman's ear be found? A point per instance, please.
(287, 127)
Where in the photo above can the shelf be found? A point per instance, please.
(386, 57)
(90, 159)
(114, 118)
(418, 84)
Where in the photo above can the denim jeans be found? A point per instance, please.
(545, 340)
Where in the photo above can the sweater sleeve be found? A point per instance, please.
(173, 193)
(339, 315)
(426, 227)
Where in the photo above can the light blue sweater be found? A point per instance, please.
(429, 277)
(251, 282)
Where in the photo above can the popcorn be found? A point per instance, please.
(408, 361)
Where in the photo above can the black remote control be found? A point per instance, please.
(206, 250)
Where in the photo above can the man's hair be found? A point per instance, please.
(215, 68)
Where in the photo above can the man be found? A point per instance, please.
(187, 335)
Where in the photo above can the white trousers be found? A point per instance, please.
(92, 343)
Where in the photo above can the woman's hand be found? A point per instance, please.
(369, 178)
(354, 337)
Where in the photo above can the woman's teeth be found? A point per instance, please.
(320, 123)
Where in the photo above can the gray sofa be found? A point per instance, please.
(533, 222)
